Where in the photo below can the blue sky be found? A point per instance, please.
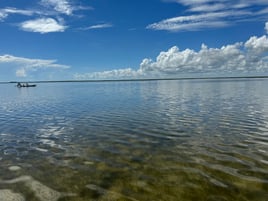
(122, 39)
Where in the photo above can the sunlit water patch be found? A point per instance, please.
(158, 140)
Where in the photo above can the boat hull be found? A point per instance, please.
(32, 85)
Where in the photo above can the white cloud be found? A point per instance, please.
(25, 65)
(191, 2)
(257, 45)
(17, 11)
(112, 74)
(191, 22)
(229, 3)
(46, 14)
(61, 6)
(21, 73)
(208, 7)
(238, 58)
(190, 61)
(197, 21)
(98, 26)
(266, 27)
(235, 58)
(4, 13)
(43, 25)
(203, 14)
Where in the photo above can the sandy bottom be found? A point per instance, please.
(41, 191)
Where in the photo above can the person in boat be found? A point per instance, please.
(19, 84)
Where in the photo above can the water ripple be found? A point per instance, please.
(163, 140)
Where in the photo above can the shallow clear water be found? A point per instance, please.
(152, 140)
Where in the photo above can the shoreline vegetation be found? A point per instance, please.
(139, 79)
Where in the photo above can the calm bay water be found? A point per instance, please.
(175, 140)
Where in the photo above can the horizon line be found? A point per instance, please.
(137, 79)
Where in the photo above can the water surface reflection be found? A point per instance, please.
(157, 140)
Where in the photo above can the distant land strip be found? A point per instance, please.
(141, 79)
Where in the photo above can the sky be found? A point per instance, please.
(130, 39)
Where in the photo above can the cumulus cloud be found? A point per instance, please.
(240, 58)
(206, 60)
(203, 14)
(43, 25)
(235, 58)
(257, 45)
(25, 65)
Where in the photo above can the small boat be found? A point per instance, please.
(19, 85)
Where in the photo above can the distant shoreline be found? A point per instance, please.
(142, 79)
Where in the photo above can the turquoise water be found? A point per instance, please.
(170, 140)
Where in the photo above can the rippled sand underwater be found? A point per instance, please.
(161, 140)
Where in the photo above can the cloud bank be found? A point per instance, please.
(203, 14)
(23, 65)
(242, 58)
